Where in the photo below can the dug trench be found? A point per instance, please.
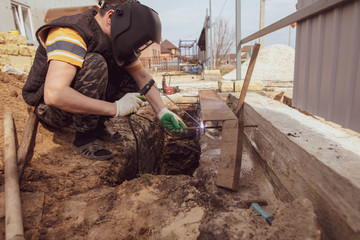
(162, 189)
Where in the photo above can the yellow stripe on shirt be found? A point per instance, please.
(65, 44)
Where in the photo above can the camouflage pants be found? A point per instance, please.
(93, 81)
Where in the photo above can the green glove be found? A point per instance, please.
(171, 121)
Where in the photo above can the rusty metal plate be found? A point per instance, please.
(213, 107)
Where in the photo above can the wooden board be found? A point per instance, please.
(213, 107)
(230, 154)
(248, 78)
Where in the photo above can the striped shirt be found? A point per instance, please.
(65, 44)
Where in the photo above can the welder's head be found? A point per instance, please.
(134, 27)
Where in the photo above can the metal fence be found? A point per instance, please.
(327, 75)
(159, 64)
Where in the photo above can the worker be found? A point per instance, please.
(87, 70)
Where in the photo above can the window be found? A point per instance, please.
(23, 22)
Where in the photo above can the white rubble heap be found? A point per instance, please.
(274, 63)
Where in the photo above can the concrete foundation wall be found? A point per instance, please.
(310, 159)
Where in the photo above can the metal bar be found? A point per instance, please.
(300, 15)
(217, 127)
(238, 40)
(211, 38)
(262, 19)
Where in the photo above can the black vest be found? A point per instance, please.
(96, 42)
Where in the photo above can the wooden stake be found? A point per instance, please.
(13, 218)
(29, 132)
(248, 78)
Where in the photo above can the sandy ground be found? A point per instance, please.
(167, 191)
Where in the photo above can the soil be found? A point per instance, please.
(164, 189)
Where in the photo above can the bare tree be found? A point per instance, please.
(224, 40)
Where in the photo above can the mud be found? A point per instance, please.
(163, 190)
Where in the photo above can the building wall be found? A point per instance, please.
(152, 51)
(6, 14)
(327, 65)
(38, 10)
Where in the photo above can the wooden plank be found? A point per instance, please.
(230, 154)
(213, 107)
(300, 15)
(248, 77)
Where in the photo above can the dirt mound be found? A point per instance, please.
(68, 197)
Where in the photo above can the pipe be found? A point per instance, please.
(14, 229)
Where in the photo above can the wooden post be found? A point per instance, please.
(29, 133)
(248, 78)
(230, 154)
(14, 229)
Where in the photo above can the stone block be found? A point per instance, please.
(3, 49)
(12, 49)
(226, 86)
(22, 40)
(4, 59)
(212, 72)
(24, 51)
(2, 37)
(212, 75)
(253, 86)
(32, 50)
(15, 39)
(20, 60)
(20, 66)
(27, 68)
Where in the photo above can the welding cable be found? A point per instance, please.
(136, 142)
(146, 139)
(175, 140)
(162, 129)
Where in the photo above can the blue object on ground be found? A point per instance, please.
(268, 217)
(194, 70)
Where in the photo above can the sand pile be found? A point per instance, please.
(274, 63)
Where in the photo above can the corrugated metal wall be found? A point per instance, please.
(327, 65)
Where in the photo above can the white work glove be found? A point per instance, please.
(172, 121)
(128, 104)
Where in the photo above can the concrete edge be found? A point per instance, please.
(310, 159)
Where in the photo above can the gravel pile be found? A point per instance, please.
(274, 63)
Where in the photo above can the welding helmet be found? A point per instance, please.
(134, 27)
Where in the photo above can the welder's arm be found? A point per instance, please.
(59, 94)
(169, 119)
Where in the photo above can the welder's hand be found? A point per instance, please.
(172, 121)
(128, 104)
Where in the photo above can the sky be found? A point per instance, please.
(184, 19)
